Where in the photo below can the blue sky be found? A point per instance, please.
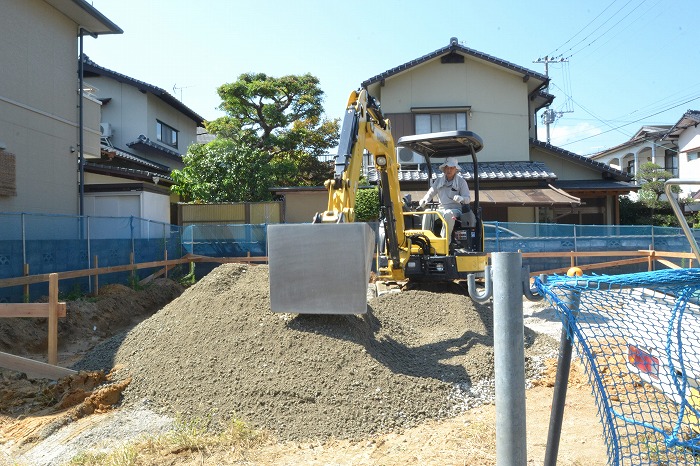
(629, 62)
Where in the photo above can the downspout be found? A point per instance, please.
(81, 158)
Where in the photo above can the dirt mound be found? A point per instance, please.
(218, 352)
(89, 319)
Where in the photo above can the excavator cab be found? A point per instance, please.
(435, 256)
(435, 148)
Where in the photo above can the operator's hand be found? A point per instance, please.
(422, 203)
(458, 198)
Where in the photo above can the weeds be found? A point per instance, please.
(187, 436)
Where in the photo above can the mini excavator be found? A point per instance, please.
(324, 267)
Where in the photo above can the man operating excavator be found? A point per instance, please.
(453, 195)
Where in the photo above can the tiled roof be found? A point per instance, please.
(604, 168)
(122, 154)
(144, 143)
(520, 171)
(90, 66)
(455, 46)
(130, 173)
(689, 118)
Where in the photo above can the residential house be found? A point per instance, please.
(685, 135)
(675, 148)
(41, 108)
(647, 145)
(521, 179)
(145, 132)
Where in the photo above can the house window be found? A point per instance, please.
(166, 134)
(671, 162)
(437, 122)
(693, 156)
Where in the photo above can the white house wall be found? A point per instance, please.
(39, 106)
(498, 101)
(133, 113)
(139, 204)
(126, 111)
(689, 142)
(186, 127)
(156, 207)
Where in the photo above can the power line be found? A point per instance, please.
(631, 122)
(582, 29)
(609, 29)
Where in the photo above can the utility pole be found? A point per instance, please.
(549, 116)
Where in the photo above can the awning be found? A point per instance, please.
(525, 197)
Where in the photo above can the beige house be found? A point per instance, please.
(144, 133)
(41, 108)
(521, 179)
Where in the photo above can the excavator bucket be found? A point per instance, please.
(320, 268)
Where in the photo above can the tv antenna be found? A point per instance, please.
(175, 89)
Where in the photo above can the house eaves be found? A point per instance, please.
(645, 134)
(86, 16)
(92, 69)
(536, 81)
(145, 144)
(488, 171)
(606, 170)
(128, 173)
(689, 118)
(115, 152)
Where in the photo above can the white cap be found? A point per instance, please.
(451, 162)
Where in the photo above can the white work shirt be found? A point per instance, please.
(447, 190)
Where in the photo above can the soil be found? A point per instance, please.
(407, 383)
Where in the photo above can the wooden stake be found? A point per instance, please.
(26, 287)
(53, 319)
(97, 278)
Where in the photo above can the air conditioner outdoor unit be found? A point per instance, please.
(407, 156)
(106, 130)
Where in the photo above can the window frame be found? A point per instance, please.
(438, 116)
(163, 130)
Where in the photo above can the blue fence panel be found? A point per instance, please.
(58, 243)
(234, 240)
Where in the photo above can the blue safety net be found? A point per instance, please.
(638, 336)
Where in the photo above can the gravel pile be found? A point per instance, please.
(218, 352)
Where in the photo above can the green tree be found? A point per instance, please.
(226, 170)
(652, 177)
(367, 205)
(271, 135)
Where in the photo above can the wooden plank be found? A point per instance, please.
(30, 310)
(600, 265)
(33, 368)
(153, 276)
(669, 264)
(678, 255)
(587, 254)
(41, 278)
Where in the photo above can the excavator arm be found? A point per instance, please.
(325, 268)
(364, 130)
